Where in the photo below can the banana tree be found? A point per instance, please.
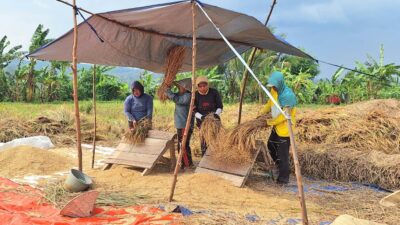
(7, 56)
(38, 39)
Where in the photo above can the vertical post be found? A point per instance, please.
(244, 82)
(75, 87)
(95, 115)
(250, 63)
(189, 118)
(297, 170)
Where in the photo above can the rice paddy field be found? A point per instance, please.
(349, 154)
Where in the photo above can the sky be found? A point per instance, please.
(337, 31)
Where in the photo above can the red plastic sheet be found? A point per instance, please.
(21, 204)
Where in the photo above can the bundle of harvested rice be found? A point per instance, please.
(237, 145)
(212, 132)
(173, 63)
(240, 143)
(336, 162)
(245, 135)
(139, 133)
(367, 126)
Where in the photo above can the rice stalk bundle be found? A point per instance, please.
(238, 145)
(139, 132)
(173, 63)
(212, 131)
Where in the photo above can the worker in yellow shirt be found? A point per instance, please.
(279, 141)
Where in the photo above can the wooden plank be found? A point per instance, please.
(224, 166)
(145, 172)
(252, 164)
(237, 181)
(107, 166)
(144, 155)
(150, 146)
(129, 163)
(134, 157)
(227, 169)
(158, 134)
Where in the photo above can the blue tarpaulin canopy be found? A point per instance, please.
(141, 37)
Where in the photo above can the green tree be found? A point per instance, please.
(38, 39)
(7, 56)
(148, 81)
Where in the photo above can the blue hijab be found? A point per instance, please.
(286, 96)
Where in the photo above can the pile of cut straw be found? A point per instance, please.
(357, 142)
(338, 163)
(173, 63)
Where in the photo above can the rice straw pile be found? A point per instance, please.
(358, 142)
(173, 63)
(346, 164)
(139, 132)
(58, 124)
(366, 126)
(56, 194)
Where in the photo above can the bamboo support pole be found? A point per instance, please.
(297, 171)
(189, 118)
(250, 63)
(95, 116)
(75, 87)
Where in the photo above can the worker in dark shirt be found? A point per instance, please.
(207, 100)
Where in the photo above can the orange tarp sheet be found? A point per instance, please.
(21, 204)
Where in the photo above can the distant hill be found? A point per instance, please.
(124, 74)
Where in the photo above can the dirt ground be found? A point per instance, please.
(215, 201)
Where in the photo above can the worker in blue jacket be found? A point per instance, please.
(182, 107)
(138, 105)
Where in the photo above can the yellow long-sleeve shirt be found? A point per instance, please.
(279, 123)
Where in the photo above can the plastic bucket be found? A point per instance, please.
(77, 181)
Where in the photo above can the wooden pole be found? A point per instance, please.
(297, 171)
(189, 118)
(75, 87)
(95, 115)
(250, 62)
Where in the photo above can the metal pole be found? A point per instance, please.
(189, 118)
(250, 62)
(95, 116)
(75, 87)
(297, 170)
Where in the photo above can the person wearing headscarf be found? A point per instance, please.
(279, 141)
(182, 107)
(207, 101)
(138, 105)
